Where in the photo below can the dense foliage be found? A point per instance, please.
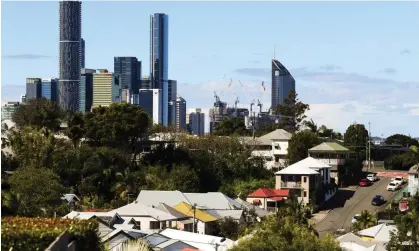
(26, 234)
(356, 138)
(231, 126)
(293, 112)
(401, 139)
(299, 145)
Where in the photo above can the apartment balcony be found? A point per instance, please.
(337, 162)
(290, 184)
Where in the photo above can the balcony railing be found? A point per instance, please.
(271, 209)
(290, 184)
(332, 161)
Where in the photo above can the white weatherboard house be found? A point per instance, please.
(413, 179)
(306, 176)
(272, 147)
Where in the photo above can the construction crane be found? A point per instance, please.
(235, 105)
(251, 105)
(217, 99)
(260, 106)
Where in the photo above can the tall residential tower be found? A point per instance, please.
(70, 54)
(159, 64)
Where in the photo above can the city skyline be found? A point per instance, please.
(354, 68)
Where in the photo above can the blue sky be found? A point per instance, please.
(352, 61)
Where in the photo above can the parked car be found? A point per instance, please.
(393, 186)
(372, 177)
(378, 200)
(355, 218)
(364, 183)
(398, 180)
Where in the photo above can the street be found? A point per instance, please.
(346, 203)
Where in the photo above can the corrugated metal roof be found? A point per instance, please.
(138, 210)
(170, 210)
(154, 198)
(199, 214)
(329, 147)
(307, 166)
(278, 134)
(219, 214)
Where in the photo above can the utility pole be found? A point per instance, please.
(369, 145)
(194, 212)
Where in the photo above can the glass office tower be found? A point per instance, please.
(282, 84)
(69, 54)
(129, 71)
(49, 88)
(159, 67)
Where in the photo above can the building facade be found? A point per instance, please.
(282, 83)
(49, 89)
(159, 61)
(172, 85)
(180, 111)
(196, 122)
(83, 54)
(129, 71)
(145, 83)
(150, 101)
(106, 88)
(69, 54)
(8, 109)
(86, 90)
(33, 88)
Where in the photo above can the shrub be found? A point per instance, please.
(21, 233)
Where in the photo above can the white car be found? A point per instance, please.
(372, 177)
(393, 186)
(355, 218)
(398, 180)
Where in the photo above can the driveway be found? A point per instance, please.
(346, 203)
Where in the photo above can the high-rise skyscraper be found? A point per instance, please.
(86, 90)
(70, 54)
(49, 88)
(106, 88)
(180, 120)
(129, 71)
(172, 91)
(33, 88)
(145, 83)
(196, 122)
(159, 61)
(282, 83)
(83, 54)
(150, 101)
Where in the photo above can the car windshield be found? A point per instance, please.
(398, 179)
(371, 175)
(392, 184)
(378, 197)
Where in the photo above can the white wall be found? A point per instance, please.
(413, 184)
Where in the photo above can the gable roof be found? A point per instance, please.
(219, 214)
(135, 209)
(171, 242)
(211, 200)
(200, 241)
(260, 212)
(306, 166)
(155, 239)
(379, 233)
(187, 209)
(154, 197)
(329, 147)
(170, 210)
(269, 193)
(278, 134)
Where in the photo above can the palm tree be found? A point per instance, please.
(311, 125)
(365, 220)
(136, 245)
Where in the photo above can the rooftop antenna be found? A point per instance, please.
(274, 51)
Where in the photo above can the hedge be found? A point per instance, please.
(21, 233)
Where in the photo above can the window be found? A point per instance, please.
(276, 158)
(154, 225)
(305, 193)
(163, 225)
(305, 179)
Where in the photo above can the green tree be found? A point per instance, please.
(231, 126)
(75, 127)
(407, 229)
(228, 228)
(311, 125)
(299, 144)
(119, 125)
(39, 113)
(293, 111)
(401, 139)
(356, 137)
(365, 220)
(38, 191)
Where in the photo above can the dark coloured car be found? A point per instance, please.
(378, 200)
(364, 183)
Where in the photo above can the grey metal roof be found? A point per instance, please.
(154, 198)
(249, 206)
(278, 134)
(170, 210)
(329, 147)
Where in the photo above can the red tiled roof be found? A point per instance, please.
(268, 193)
(276, 198)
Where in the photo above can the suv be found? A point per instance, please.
(372, 177)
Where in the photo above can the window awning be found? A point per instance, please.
(256, 201)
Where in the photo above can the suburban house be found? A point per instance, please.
(114, 240)
(272, 147)
(260, 212)
(205, 222)
(200, 241)
(332, 154)
(267, 198)
(413, 180)
(309, 177)
(352, 242)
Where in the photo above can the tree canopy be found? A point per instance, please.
(231, 126)
(356, 137)
(401, 139)
(293, 111)
(299, 144)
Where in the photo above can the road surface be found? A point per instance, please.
(346, 203)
